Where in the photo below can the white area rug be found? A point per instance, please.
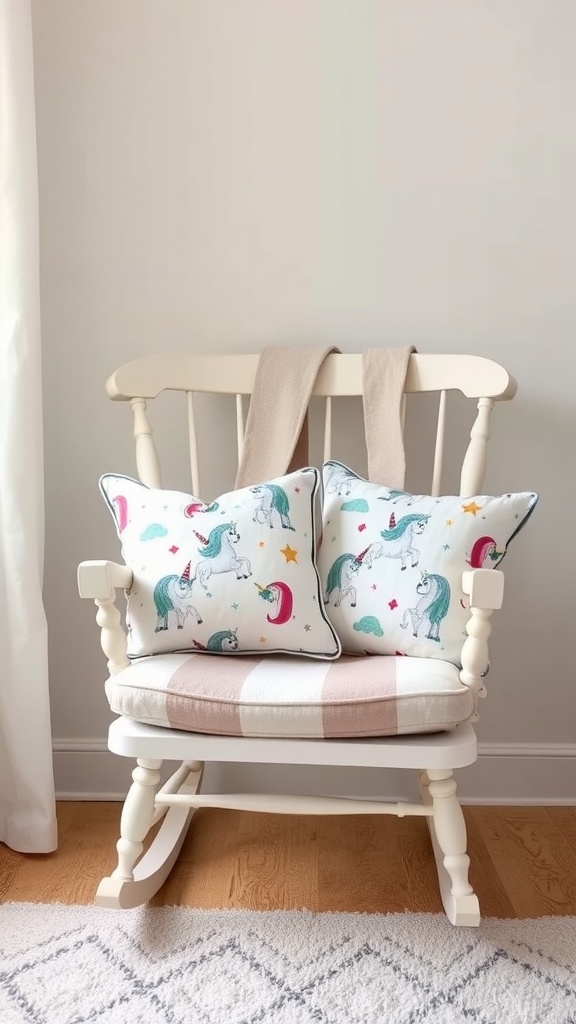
(67, 965)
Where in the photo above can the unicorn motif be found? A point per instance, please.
(279, 595)
(483, 549)
(399, 537)
(395, 496)
(432, 606)
(223, 641)
(341, 577)
(340, 481)
(197, 507)
(174, 594)
(274, 507)
(219, 555)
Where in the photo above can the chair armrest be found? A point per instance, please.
(484, 587)
(485, 591)
(100, 579)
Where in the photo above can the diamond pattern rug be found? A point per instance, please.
(70, 965)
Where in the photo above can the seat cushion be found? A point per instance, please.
(280, 696)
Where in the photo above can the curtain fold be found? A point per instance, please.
(27, 811)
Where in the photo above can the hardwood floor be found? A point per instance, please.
(523, 862)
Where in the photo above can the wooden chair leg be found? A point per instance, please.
(448, 833)
(135, 881)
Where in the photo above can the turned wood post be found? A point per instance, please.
(450, 829)
(137, 816)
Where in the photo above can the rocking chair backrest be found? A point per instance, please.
(340, 376)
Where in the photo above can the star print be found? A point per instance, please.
(307, 627)
(446, 547)
(262, 639)
(261, 543)
(297, 489)
(208, 594)
(235, 606)
(472, 507)
(392, 604)
(449, 522)
(289, 554)
(174, 549)
(374, 586)
(333, 539)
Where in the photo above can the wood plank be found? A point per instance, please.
(276, 863)
(10, 867)
(484, 878)
(523, 861)
(565, 819)
(202, 876)
(534, 861)
(352, 850)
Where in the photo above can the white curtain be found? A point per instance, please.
(27, 812)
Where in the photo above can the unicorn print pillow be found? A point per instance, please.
(391, 562)
(235, 576)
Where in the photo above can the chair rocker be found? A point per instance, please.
(433, 755)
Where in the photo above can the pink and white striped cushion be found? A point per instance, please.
(279, 696)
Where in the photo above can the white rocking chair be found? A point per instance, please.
(434, 756)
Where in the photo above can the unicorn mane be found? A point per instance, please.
(162, 598)
(213, 546)
(402, 525)
(279, 499)
(217, 639)
(335, 574)
(438, 609)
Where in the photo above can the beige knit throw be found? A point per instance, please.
(276, 436)
(383, 379)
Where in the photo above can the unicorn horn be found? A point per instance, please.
(261, 589)
(200, 537)
(186, 574)
(392, 522)
(362, 554)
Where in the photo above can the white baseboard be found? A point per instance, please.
(505, 773)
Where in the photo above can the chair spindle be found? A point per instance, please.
(439, 447)
(328, 429)
(240, 425)
(193, 445)
(474, 465)
(147, 462)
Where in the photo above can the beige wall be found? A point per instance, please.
(228, 174)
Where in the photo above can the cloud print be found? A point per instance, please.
(369, 624)
(153, 531)
(357, 505)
